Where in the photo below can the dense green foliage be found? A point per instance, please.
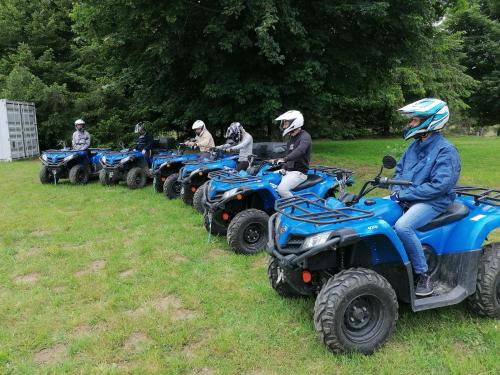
(346, 64)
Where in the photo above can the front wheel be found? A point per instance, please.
(199, 198)
(136, 178)
(486, 300)
(106, 179)
(247, 232)
(79, 175)
(46, 177)
(275, 275)
(172, 187)
(355, 311)
(217, 226)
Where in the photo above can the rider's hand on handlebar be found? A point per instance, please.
(395, 196)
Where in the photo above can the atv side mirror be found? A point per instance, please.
(389, 162)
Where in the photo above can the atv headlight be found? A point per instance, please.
(126, 160)
(69, 157)
(230, 193)
(44, 157)
(315, 240)
(103, 159)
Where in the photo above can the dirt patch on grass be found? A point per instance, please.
(92, 267)
(126, 273)
(31, 252)
(50, 355)
(174, 305)
(203, 371)
(87, 329)
(40, 233)
(215, 253)
(136, 340)
(259, 263)
(180, 258)
(29, 278)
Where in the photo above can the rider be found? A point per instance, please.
(81, 137)
(203, 139)
(296, 162)
(143, 140)
(238, 139)
(433, 165)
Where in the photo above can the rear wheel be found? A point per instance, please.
(172, 187)
(218, 226)
(46, 177)
(274, 273)
(247, 232)
(136, 178)
(79, 175)
(199, 198)
(356, 311)
(486, 300)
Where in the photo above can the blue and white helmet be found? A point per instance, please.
(434, 112)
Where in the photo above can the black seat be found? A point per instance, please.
(455, 212)
(312, 179)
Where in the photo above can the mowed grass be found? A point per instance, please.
(108, 280)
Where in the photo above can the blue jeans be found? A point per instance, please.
(417, 216)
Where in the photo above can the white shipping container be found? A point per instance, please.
(18, 130)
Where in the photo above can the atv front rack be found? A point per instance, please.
(231, 176)
(310, 208)
(487, 196)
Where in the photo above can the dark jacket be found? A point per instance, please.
(433, 165)
(144, 142)
(299, 152)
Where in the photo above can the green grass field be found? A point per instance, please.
(108, 280)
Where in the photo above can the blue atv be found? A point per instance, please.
(164, 166)
(193, 175)
(239, 204)
(76, 165)
(133, 167)
(347, 254)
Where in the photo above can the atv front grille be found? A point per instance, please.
(295, 242)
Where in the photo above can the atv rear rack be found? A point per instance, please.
(310, 208)
(231, 176)
(487, 196)
(334, 171)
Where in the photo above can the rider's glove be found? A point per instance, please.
(395, 196)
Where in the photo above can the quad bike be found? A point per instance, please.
(239, 205)
(347, 254)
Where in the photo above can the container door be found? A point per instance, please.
(15, 130)
(29, 129)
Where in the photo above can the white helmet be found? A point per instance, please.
(79, 122)
(434, 114)
(198, 124)
(295, 119)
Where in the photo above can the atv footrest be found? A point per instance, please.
(310, 208)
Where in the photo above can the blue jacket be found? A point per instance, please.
(433, 165)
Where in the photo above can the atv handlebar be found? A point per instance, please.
(385, 181)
